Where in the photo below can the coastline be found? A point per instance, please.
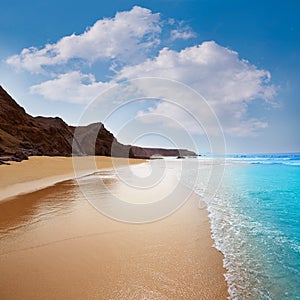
(89, 255)
(40, 172)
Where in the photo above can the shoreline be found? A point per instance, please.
(172, 258)
(39, 172)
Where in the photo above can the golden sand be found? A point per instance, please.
(55, 245)
(41, 171)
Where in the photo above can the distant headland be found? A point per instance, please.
(22, 135)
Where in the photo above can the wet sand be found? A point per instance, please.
(41, 171)
(55, 245)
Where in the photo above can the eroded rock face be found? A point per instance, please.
(22, 135)
(139, 152)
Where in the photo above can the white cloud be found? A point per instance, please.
(216, 72)
(127, 37)
(173, 116)
(196, 122)
(228, 83)
(73, 87)
(183, 34)
(247, 128)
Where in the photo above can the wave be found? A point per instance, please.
(288, 163)
(267, 156)
(248, 249)
(254, 223)
(290, 159)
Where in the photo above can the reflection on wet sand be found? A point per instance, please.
(23, 211)
(55, 245)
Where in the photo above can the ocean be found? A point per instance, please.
(255, 222)
(253, 203)
(254, 208)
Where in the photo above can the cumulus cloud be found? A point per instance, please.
(183, 34)
(216, 72)
(228, 83)
(127, 37)
(73, 87)
(173, 116)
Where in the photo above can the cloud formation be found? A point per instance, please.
(127, 37)
(183, 33)
(228, 83)
(73, 87)
(214, 71)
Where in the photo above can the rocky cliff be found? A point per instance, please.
(22, 135)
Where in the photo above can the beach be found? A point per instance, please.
(55, 245)
(41, 171)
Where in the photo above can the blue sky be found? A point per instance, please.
(242, 56)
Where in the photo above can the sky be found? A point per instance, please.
(207, 71)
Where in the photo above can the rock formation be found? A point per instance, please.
(22, 135)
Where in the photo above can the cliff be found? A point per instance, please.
(22, 135)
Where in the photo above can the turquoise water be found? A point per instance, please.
(255, 219)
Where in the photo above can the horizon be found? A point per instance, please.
(56, 64)
(203, 154)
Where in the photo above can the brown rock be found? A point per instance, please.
(22, 135)
(20, 155)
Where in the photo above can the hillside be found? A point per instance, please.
(22, 135)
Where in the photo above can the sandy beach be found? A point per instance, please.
(55, 245)
(41, 171)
